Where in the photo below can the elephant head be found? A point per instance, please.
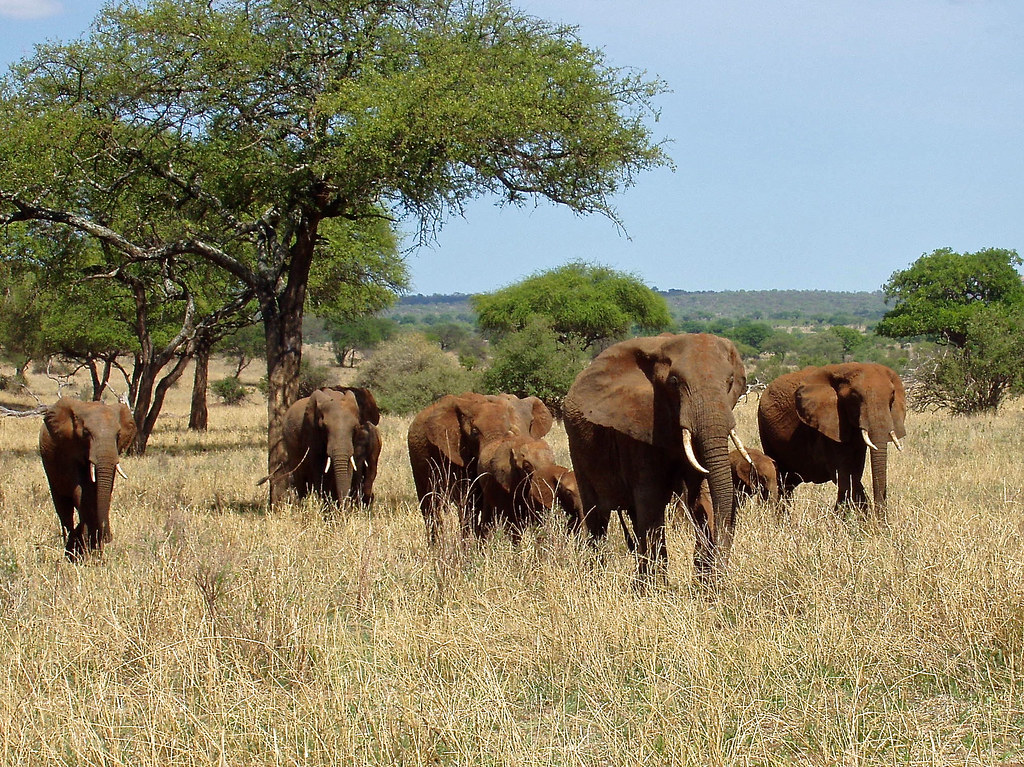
(80, 444)
(652, 416)
(323, 433)
(754, 474)
(817, 422)
(521, 480)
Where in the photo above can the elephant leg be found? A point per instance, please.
(65, 506)
(851, 488)
(649, 533)
(627, 532)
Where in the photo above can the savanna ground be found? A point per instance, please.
(213, 632)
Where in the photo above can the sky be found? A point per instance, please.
(817, 144)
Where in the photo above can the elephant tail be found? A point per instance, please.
(279, 471)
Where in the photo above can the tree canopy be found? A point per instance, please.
(939, 293)
(592, 302)
(228, 132)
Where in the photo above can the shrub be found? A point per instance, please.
(534, 362)
(229, 390)
(408, 372)
(312, 377)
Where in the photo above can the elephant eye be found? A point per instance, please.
(729, 381)
(673, 379)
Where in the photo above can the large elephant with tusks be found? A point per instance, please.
(651, 417)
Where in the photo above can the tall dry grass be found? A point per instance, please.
(213, 632)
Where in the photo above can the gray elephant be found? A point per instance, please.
(818, 423)
(80, 444)
(333, 444)
(445, 442)
(651, 417)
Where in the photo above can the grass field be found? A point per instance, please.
(214, 633)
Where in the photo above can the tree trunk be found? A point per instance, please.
(282, 326)
(198, 418)
(150, 399)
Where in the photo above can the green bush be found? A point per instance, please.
(534, 362)
(229, 390)
(408, 372)
(312, 377)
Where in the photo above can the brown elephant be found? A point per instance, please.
(80, 444)
(651, 417)
(445, 440)
(754, 474)
(333, 444)
(520, 480)
(818, 423)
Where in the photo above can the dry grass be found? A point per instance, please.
(215, 633)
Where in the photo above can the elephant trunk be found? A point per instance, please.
(878, 478)
(99, 531)
(711, 558)
(341, 468)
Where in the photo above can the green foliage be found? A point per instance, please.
(409, 372)
(230, 390)
(312, 377)
(979, 375)
(536, 361)
(941, 291)
(592, 302)
(851, 339)
(243, 346)
(361, 333)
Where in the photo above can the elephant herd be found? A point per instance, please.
(649, 420)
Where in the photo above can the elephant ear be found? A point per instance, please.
(739, 373)
(126, 434)
(744, 471)
(542, 420)
(616, 391)
(368, 410)
(899, 405)
(444, 429)
(61, 421)
(817, 405)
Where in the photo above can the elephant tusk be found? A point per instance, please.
(327, 468)
(896, 441)
(867, 439)
(352, 460)
(739, 446)
(688, 449)
(92, 472)
(121, 471)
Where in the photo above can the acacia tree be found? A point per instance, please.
(233, 129)
(939, 293)
(592, 303)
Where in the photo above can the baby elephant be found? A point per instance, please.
(520, 481)
(760, 478)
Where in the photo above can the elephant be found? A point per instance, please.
(79, 443)
(445, 440)
(756, 476)
(818, 423)
(333, 444)
(644, 420)
(520, 481)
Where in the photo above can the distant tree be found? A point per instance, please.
(536, 362)
(243, 347)
(448, 335)
(592, 302)
(409, 372)
(939, 293)
(752, 334)
(850, 338)
(359, 334)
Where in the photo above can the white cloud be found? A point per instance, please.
(30, 9)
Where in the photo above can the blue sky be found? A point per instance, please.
(818, 143)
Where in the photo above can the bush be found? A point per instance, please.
(979, 376)
(230, 391)
(312, 377)
(534, 362)
(408, 372)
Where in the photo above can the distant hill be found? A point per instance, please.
(772, 306)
